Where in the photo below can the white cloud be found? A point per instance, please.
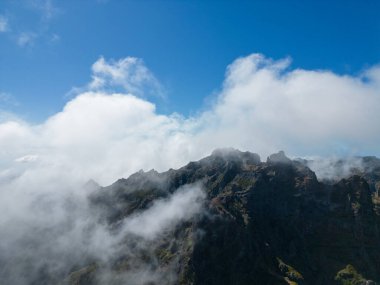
(333, 168)
(263, 107)
(129, 73)
(4, 26)
(165, 214)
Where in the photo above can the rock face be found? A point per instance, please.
(262, 223)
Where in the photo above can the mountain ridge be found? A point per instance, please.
(267, 222)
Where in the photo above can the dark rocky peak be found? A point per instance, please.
(142, 179)
(141, 174)
(91, 185)
(333, 170)
(279, 158)
(356, 189)
(221, 165)
(231, 154)
(137, 191)
(371, 172)
(285, 169)
(371, 162)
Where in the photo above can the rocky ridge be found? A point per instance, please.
(267, 222)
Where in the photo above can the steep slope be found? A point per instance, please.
(267, 222)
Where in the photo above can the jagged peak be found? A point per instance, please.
(279, 157)
(233, 154)
(91, 185)
(225, 151)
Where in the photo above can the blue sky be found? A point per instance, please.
(48, 47)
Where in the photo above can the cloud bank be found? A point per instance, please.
(61, 233)
(264, 106)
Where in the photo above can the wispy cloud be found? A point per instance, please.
(26, 39)
(4, 97)
(27, 158)
(46, 7)
(7, 99)
(4, 26)
(34, 29)
(184, 204)
(54, 38)
(129, 73)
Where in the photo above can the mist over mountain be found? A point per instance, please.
(225, 219)
(228, 218)
(189, 142)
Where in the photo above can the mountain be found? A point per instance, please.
(269, 222)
